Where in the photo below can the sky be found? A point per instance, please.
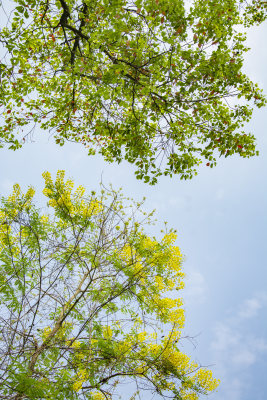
(220, 217)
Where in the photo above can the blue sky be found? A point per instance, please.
(220, 217)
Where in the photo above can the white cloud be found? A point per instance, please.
(225, 337)
(233, 391)
(236, 350)
(251, 307)
(244, 358)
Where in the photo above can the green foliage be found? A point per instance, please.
(155, 82)
(29, 387)
(89, 302)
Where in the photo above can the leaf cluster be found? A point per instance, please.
(155, 82)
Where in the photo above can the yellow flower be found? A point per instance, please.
(188, 396)
(30, 193)
(46, 332)
(159, 282)
(82, 376)
(80, 191)
(77, 386)
(177, 316)
(141, 337)
(98, 396)
(44, 219)
(107, 332)
(205, 379)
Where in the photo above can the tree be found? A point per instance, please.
(155, 82)
(89, 300)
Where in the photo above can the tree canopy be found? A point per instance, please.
(155, 82)
(89, 300)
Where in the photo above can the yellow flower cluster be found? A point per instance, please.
(138, 267)
(97, 396)
(124, 347)
(141, 340)
(129, 255)
(30, 193)
(174, 255)
(141, 337)
(44, 219)
(167, 308)
(107, 332)
(82, 376)
(140, 369)
(61, 196)
(93, 342)
(174, 262)
(46, 332)
(170, 385)
(60, 334)
(75, 344)
(152, 348)
(159, 283)
(15, 194)
(149, 243)
(20, 201)
(179, 360)
(177, 316)
(79, 192)
(170, 258)
(169, 238)
(205, 379)
(202, 378)
(165, 303)
(188, 396)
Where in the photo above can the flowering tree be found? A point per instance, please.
(156, 82)
(89, 301)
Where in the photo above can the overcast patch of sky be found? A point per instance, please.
(221, 218)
